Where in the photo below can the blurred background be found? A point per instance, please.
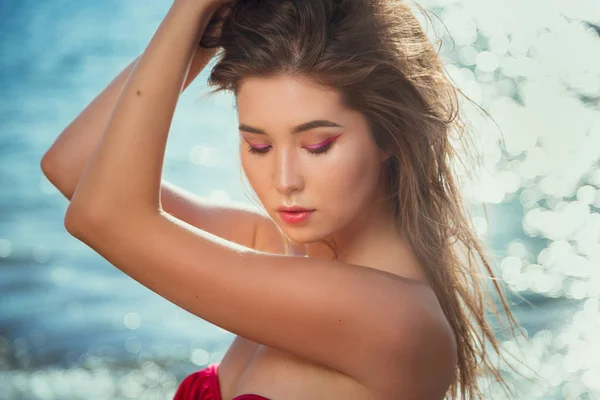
(73, 326)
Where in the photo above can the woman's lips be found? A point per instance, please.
(295, 217)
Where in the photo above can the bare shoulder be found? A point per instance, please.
(423, 364)
(427, 347)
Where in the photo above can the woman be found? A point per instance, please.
(345, 113)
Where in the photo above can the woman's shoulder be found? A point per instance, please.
(425, 336)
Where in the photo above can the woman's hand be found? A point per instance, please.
(212, 34)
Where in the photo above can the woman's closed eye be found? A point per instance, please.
(316, 150)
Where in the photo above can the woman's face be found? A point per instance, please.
(332, 167)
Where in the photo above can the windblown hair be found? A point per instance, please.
(376, 55)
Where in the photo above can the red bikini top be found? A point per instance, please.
(204, 385)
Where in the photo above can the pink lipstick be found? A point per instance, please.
(294, 215)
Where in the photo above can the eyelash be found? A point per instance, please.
(319, 151)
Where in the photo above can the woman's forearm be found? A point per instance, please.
(64, 162)
(123, 175)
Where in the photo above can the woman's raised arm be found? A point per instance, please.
(65, 160)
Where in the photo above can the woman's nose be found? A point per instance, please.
(287, 172)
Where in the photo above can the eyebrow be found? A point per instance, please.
(318, 123)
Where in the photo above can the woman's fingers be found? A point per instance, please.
(213, 30)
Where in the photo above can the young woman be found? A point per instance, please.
(359, 280)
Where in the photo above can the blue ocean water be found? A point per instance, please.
(74, 326)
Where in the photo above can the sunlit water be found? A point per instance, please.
(73, 326)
